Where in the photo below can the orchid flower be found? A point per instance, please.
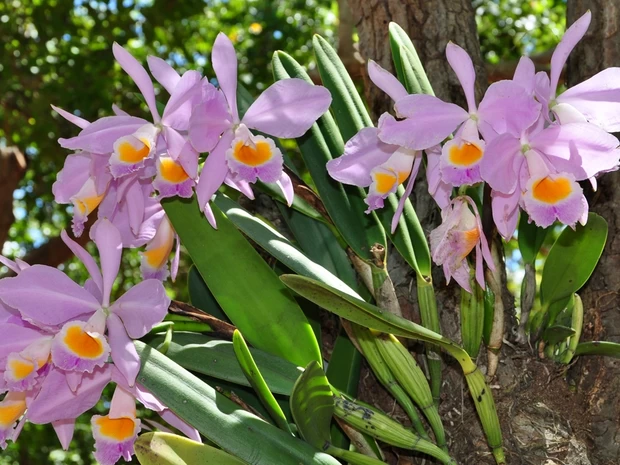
(453, 240)
(286, 109)
(369, 162)
(580, 150)
(596, 100)
(46, 297)
(427, 121)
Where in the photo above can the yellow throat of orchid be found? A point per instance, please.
(119, 429)
(552, 191)
(171, 171)
(465, 155)
(252, 156)
(83, 344)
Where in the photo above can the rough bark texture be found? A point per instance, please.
(599, 378)
(431, 25)
(12, 170)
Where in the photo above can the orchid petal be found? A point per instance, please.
(571, 37)
(108, 240)
(163, 73)
(123, 351)
(100, 136)
(56, 401)
(386, 81)
(224, 61)
(497, 167)
(240, 185)
(525, 74)
(407, 193)
(214, 171)
(46, 295)
(64, 430)
(185, 95)
(362, 153)
(85, 258)
(429, 121)
(71, 177)
(598, 99)
(461, 64)
(139, 75)
(506, 108)
(179, 424)
(74, 119)
(142, 307)
(594, 149)
(209, 119)
(278, 110)
(286, 185)
(15, 338)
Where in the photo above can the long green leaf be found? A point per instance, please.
(408, 65)
(323, 142)
(200, 296)
(572, 259)
(531, 238)
(170, 449)
(244, 285)
(372, 317)
(216, 358)
(312, 406)
(255, 378)
(276, 244)
(236, 431)
(610, 349)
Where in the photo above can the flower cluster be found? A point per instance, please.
(528, 144)
(124, 165)
(62, 343)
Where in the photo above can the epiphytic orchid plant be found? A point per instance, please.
(152, 182)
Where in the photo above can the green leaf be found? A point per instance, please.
(408, 66)
(170, 449)
(223, 422)
(610, 349)
(472, 318)
(489, 314)
(244, 285)
(369, 316)
(276, 244)
(555, 334)
(351, 116)
(312, 406)
(347, 105)
(531, 238)
(254, 376)
(216, 358)
(200, 296)
(572, 259)
(343, 372)
(322, 143)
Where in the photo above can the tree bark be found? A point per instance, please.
(431, 25)
(599, 377)
(12, 170)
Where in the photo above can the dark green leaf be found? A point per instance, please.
(200, 296)
(572, 259)
(610, 349)
(216, 358)
(312, 406)
(531, 238)
(235, 430)
(254, 376)
(170, 449)
(555, 334)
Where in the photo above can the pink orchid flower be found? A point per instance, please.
(369, 162)
(46, 297)
(427, 121)
(286, 109)
(453, 240)
(595, 100)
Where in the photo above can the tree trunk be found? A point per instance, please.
(599, 377)
(12, 170)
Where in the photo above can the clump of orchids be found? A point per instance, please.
(61, 343)
(528, 144)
